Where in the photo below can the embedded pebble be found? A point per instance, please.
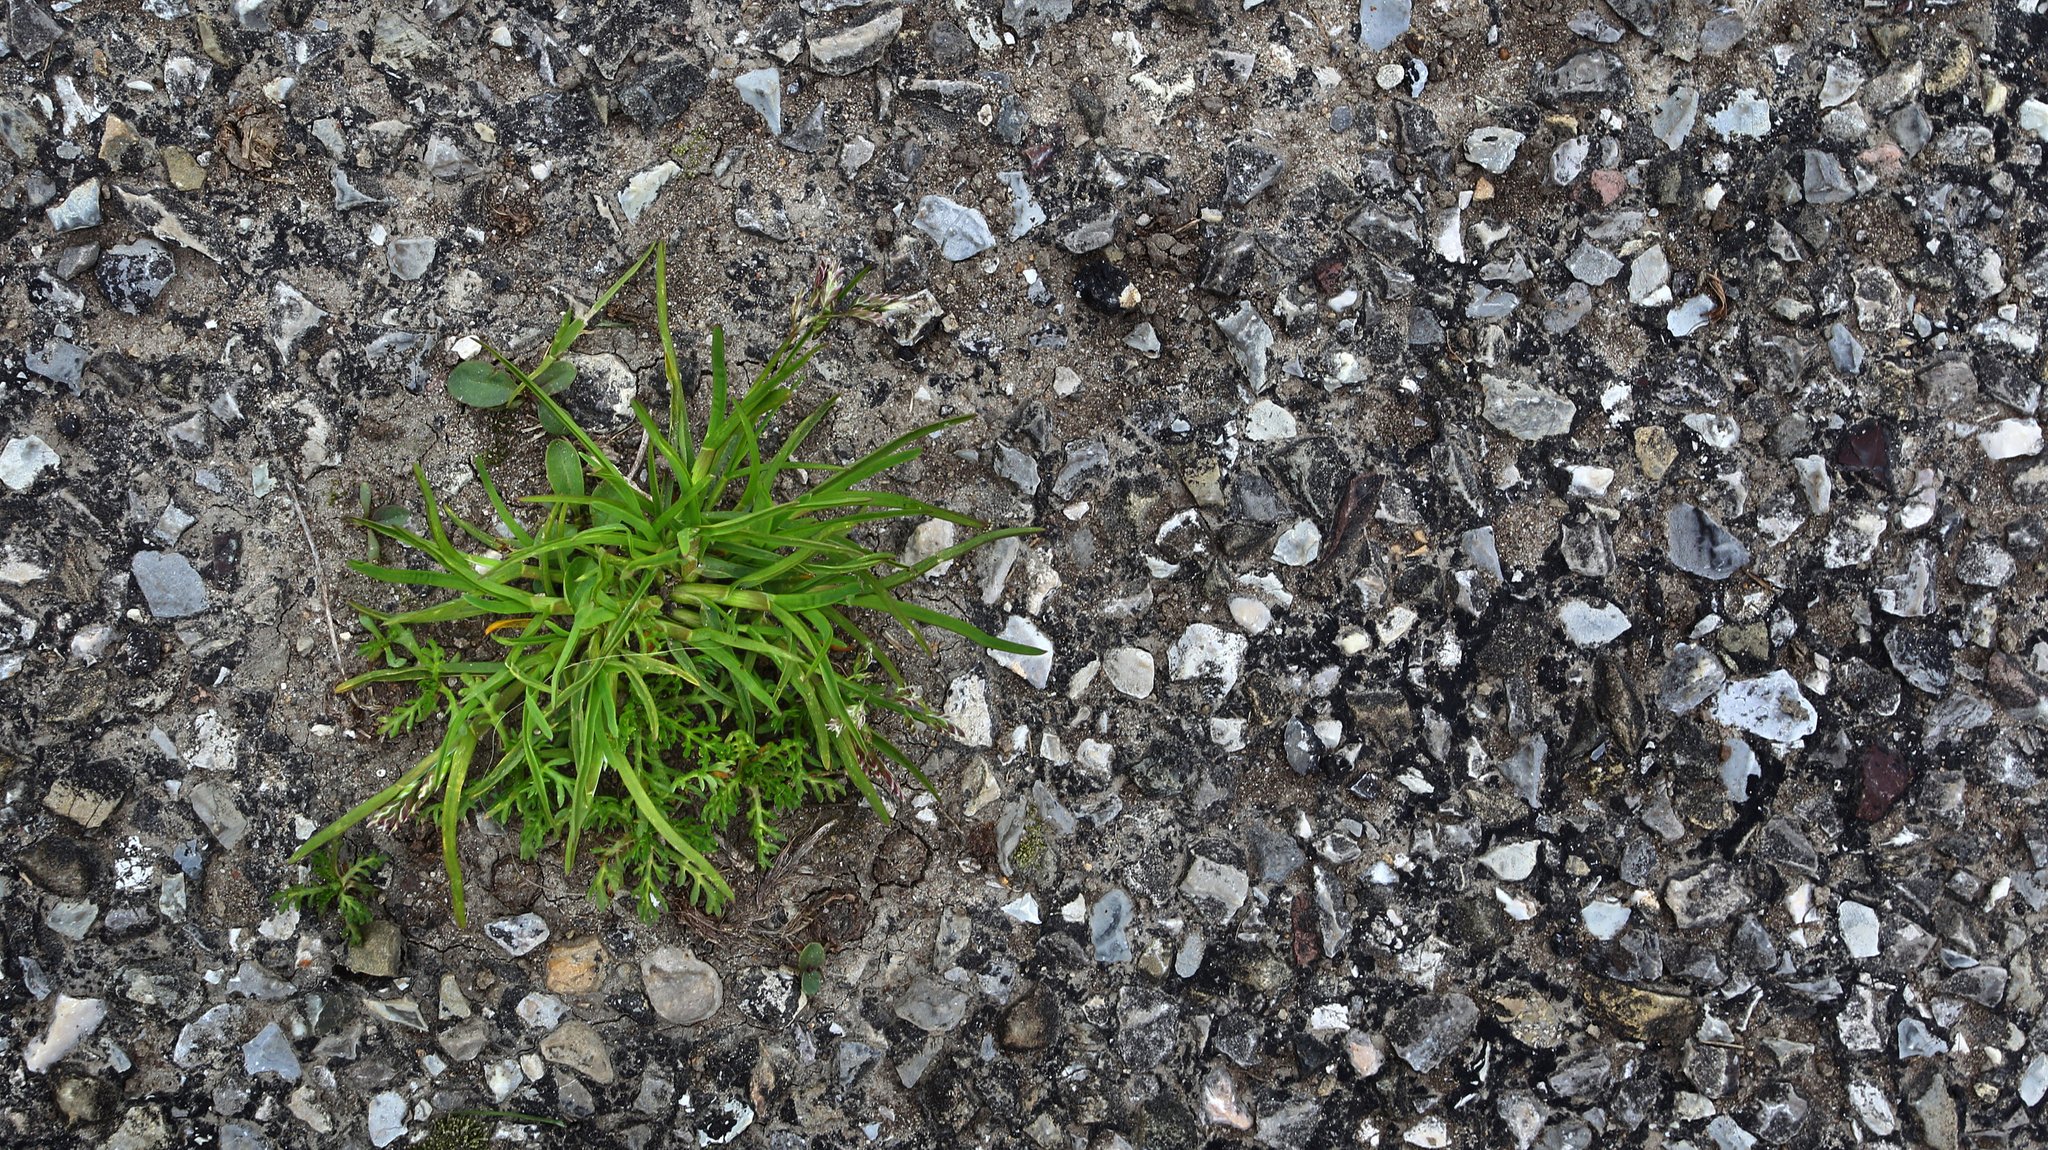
(1772, 708)
(24, 461)
(961, 232)
(1033, 669)
(519, 935)
(761, 90)
(1131, 671)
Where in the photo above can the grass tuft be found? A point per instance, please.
(669, 657)
(343, 885)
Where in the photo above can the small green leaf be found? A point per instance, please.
(476, 383)
(565, 468)
(391, 515)
(812, 956)
(555, 376)
(812, 980)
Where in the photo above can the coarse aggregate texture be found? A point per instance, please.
(1542, 562)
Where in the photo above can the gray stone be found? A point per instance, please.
(1593, 76)
(809, 137)
(1089, 228)
(465, 1040)
(169, 584)
(1593, 264)
(386, 1118)
(1248, 170)
(1673, 120)
(1291, 1126)
(662, 91)
(857, 45)
(1912, 128)
(1033, 669)
(1300, 747)
(411, 257)
(519, 935)
(242, 1136)
(205, 1038)
(1649, 277)
(1591, 623)
(132, 276)
(1381, 22)
(1940, 1125)
(1823, 181)
(380, 953)
(761, 90)
(1251, 337)
(215, 805)
(80, 208)
(1108, 921)
(1699, 546)
(1025, 212)
(270, 1052)
(1217, 888)
(58, 361)
(1017, 466)
(933, 1006)
(348, 197)
(681, 989)
(24, 460)
(1493, 147)
(1131, 670)
(1916, 1041)
(1708, 895)
(1030, 17)
(72, 918)
(31, 30)
(1430, 1029)
(1690, 677)
(1148, 1027)
(577, 1046)
(1645, 16)
(252, 980)
(961, 232)
(1525, 410)
(1771, 707)
(292, 315)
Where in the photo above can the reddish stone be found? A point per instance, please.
(1885, 777)
(1329, 275)
(1865, 449)
(1608, 183)
(1303, 924)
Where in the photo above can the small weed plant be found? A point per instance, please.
(810, 966)
(673, 654)
(342, 885)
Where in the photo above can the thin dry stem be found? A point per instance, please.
(319, 571)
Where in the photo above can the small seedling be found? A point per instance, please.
(389, 514)
(810, 968)
(672, 652)
(340, 885)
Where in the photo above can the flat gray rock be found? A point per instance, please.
(1526, 410)
(169, 584)
(960, 231)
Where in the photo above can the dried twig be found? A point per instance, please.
(319, 573)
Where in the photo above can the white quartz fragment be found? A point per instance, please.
(1859, 929)
(1034, 669)
(1771, 707)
